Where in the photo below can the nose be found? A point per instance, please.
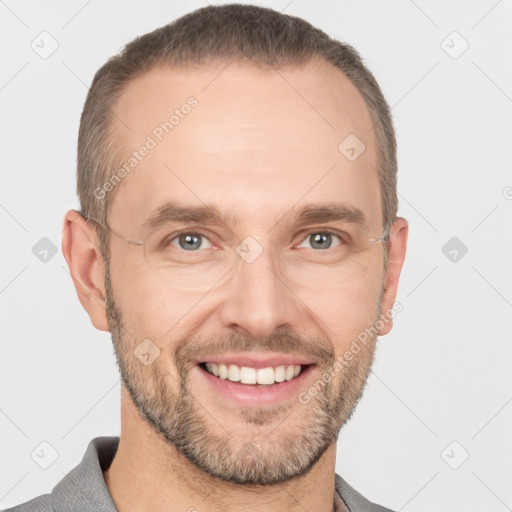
(257, 299)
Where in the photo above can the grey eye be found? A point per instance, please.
(190, 241)
(321, 240)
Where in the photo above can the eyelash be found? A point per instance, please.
(344, 238)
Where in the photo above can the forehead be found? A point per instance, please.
(246, 139)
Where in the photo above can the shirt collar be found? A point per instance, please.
(85, 485)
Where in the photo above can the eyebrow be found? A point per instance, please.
(176, 213)
(173, 212)
(332, 212)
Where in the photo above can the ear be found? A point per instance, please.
(80, 248)
(397, 249)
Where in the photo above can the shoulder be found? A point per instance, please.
(83, 488)
(355, 501)
(39, 504)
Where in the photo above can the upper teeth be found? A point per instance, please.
(247, 375)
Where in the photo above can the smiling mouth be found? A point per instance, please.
(254, 376)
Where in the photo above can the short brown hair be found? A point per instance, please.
(232, 32)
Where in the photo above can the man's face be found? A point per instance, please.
(259, 146)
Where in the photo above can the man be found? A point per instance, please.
(238, 237)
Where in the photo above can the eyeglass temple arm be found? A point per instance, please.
(383, 238)
(127, 240)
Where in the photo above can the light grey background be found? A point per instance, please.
(442, 375)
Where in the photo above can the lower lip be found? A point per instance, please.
(250, 394)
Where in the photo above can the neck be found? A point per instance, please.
(148, 473)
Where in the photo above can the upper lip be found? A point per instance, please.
(257, 360)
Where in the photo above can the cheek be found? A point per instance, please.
(344, 310)
(151, 309)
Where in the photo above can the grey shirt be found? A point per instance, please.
(83, 489)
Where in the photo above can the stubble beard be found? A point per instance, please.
(167, 405)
